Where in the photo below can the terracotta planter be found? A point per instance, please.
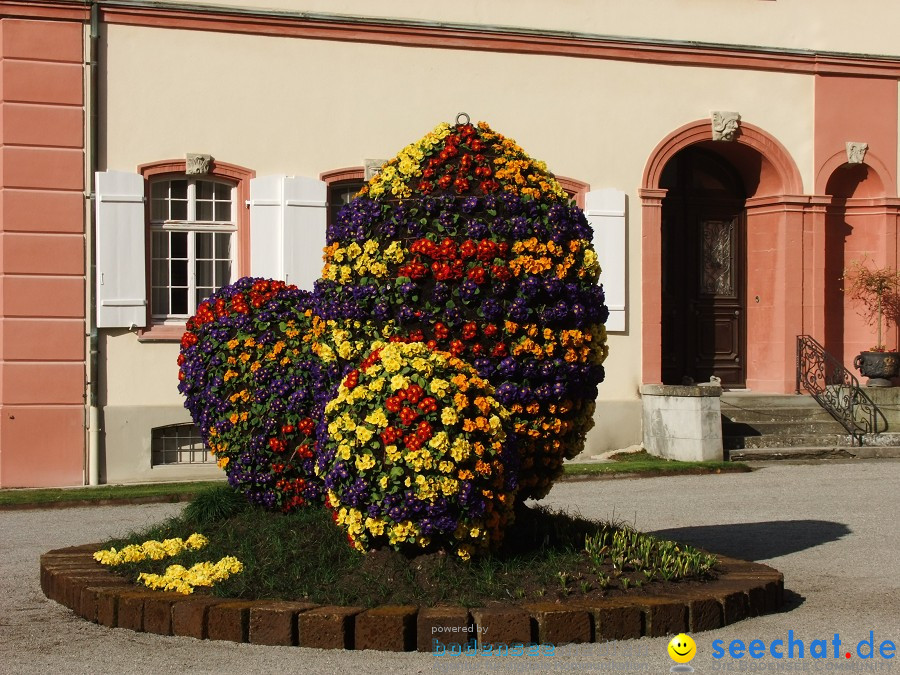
(879, 367)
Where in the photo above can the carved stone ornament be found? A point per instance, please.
(856, 152)
(373, 166)
(725, 125)
(197, 164)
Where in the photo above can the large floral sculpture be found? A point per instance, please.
(416, 456)
(462, 254)
(468, 244)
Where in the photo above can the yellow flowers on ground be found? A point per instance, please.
(183, 580)
(176, 578)
(151, 550)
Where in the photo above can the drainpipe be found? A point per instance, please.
(93, 458)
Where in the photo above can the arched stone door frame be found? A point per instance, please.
(777, 209)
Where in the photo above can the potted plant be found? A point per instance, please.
(877, 291)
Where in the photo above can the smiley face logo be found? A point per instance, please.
(682, 648)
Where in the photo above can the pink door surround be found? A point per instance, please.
(775, 213)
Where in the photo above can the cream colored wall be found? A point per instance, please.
(300, 107)
(832, 25)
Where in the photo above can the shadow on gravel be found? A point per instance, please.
(759, 541)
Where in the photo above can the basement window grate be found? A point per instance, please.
(177, 444)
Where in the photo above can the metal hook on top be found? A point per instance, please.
(460, 116)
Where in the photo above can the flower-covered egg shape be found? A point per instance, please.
(255, 388)
(415, 455)
(464, 242)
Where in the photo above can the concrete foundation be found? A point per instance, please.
(682, 422)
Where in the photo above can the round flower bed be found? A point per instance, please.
(250, 380)
(415, 456)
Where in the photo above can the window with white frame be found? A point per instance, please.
(192, 243)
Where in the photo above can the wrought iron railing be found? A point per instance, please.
(837, 390)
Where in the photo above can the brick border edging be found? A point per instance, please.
(71, 577)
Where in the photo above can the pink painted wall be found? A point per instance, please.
(42, 302)
(861, 220)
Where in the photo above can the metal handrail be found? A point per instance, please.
(837, 390)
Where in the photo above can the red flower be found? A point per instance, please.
(408, 416)
(469, 331)
(457, 347)
(414, 393)
(477, 275)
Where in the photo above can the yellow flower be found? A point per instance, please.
(449, 417)
(364, 434)
(399, 382)
(461, 449)
(364, 462)
(439, 387)
(440, 442)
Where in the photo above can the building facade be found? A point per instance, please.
(733, 160)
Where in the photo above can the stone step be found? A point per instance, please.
(808, 440)
(787, 415)
(814, 452)
(806, 427)
(756, 401)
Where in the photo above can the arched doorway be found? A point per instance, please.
(703, 270)
(757, 167)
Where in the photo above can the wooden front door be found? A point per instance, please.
(703, 258)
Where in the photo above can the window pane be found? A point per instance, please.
(223, 272)
(223, 211)
(159, 301)
(179, 189)
(223, 191)
(204, 211)
(223, 245)
(160, 273)
(159, 209)
(203, 294)
(159, 189)
(179, 301)
(160, 244)
(179, 272)
(204, 273)
(179, 244)
(204, 244)
(179, 210)
(205, 189)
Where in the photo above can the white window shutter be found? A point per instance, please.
(287, 228)
(605, 211)
(265, 226)
(305, 221)
(121, 233)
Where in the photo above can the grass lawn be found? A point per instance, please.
(639, 463)
(644, 464)
(102, 493)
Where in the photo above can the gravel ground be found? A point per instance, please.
(831, 528)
